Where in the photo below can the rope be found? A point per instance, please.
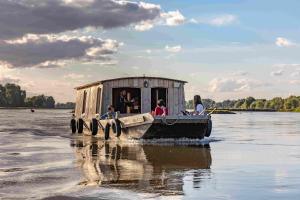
(164, 120)
(86, 126)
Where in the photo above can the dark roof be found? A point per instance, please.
(134, 77)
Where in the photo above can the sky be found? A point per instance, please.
(224, 49)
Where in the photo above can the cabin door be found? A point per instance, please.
(132, 97)
(156, 94)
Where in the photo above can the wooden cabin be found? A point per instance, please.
(144, 92)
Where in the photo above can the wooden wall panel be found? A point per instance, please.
(176, 101)
(171, 101)
(146, 100)
(93, 101)
(110, 87)
(160, 83)
(130, 83)
(88, 96)
(165, 83)
(154, 83)
(79, 98)
(180, 99)
(105, 98)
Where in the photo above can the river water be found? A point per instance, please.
(248, 156)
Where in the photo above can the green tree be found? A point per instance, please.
(228, 103)
(275, 103)
(239, 103)
(291, 103)
(247, 102)
(260, 104)
(40, 101)
(50, 102)
(2, 96)
(208, 103)
(14, 96)
(189, 104)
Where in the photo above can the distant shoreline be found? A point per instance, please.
(27, 108)
(233, 111)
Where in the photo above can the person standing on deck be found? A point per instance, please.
(122, 102)
(198, 106)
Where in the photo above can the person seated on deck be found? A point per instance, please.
(160, 109)
(110, 113)
(199, 108)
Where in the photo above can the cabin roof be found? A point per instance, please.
(135, 77)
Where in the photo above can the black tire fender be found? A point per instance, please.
(209, 128)
(106, 131)
(73, 125)
(94, 126)
(116, 127)
(80, 125)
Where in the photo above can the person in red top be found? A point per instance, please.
(160, 109)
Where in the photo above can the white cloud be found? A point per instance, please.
(73, 76)
(277, 73)
(144, 25)
(233, 84)
(135, 67)
(173, 49)
(287, 65)
(223, 20)
(8, 79)
(173, 18)
(148, 51)
(6, 75)
(283, 42)
(296, 73)
(193, 21)
(239, 73)
(295, 82)
(149, 6)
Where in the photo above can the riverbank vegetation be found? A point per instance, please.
(11, 96)
(290, 104)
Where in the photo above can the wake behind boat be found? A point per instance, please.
(135, 119)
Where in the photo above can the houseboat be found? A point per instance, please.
(136, 120)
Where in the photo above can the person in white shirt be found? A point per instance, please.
(199, 108)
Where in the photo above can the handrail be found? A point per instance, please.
(212, 111)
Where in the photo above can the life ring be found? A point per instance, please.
(73, 125)
(116, 127)
(209, 128)
(80, 125)
(94, 126)
(106, 131)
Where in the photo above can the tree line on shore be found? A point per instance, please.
(11, 95)
(292, 103)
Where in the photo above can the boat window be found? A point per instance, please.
(84, 102)
(156, 94)
(127, 100)
(98, 102)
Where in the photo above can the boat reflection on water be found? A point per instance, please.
(144, 168)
